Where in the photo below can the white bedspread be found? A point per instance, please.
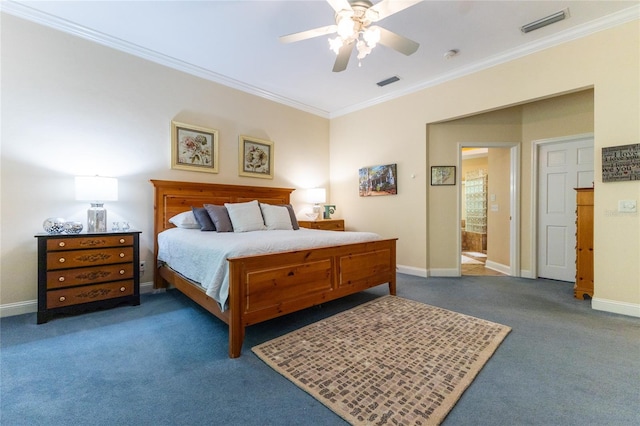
(202, 256)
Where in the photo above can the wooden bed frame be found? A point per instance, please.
(263, 287)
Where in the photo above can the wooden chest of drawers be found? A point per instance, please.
(87, 271)
(584, 244)
(327, 224)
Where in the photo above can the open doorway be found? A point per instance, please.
(488, 201)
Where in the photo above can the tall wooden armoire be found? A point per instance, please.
(584, 243)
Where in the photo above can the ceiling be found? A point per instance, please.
(236, 42)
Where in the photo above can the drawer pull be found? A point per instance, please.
(62, 298)
(61, 279)
(122, 289)
(122, 240)
(121, 254)
(62, 260)
(121, 271)
(61, 244)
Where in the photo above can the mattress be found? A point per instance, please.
(202, 256)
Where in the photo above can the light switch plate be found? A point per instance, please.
(627, 206)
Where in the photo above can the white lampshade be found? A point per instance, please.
(96, 188)
(316, 195)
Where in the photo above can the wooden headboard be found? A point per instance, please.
(173, 197)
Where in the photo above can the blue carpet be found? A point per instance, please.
(165, 362)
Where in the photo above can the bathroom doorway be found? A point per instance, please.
(488, 204)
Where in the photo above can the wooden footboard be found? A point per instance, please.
(267, 286)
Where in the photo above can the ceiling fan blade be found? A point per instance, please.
(343, 57)
(339, 5)
(389, 7)
(316, 32)
(397, 42)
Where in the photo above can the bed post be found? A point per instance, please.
(236, 308)
(392, 282)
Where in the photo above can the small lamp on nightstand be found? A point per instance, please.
(316, 196)
(97, 190)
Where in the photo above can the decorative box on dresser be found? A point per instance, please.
(89, 271)
(326, 224)
(584, 243)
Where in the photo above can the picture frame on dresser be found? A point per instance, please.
(194, 148)
(255, 157)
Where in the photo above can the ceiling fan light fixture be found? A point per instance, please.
(335, 44)
(346, 27)
(371, 36)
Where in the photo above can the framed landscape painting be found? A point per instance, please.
(255, 157)
(378, 180)
(194, 148)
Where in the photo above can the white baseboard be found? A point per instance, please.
(18, 308)
(524, 273)
(146, 287)
(30, 306)
(613, 306)
(436, 272)
(410, 270)
(494, 266)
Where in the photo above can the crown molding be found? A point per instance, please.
(604, 23)
(22, 11)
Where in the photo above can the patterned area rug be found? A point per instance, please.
(388, 361)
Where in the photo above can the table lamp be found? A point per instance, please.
(316, 196)
(96, 190)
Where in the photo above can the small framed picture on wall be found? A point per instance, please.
(194, 148)
(255, 157)
(443, 175)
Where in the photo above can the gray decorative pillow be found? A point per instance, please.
(203, 219)
(220, 217)
(294, 220)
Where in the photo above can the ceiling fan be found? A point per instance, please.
(353, 28)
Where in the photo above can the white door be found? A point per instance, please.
(562, 167)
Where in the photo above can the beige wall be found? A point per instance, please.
(71, 107)
(498, 203)
(395, 132)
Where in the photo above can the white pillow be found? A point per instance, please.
(185, 220)
(276, 217)
(245, 217)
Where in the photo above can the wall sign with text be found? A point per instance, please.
(621, 163)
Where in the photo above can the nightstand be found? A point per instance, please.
(79, 272)
(327, 224)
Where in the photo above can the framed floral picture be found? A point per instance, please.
(255, 157)
(194, 148)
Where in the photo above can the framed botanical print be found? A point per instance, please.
(194, 148)
(255, 157)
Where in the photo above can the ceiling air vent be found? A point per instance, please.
(548, 20)
(388, 81)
